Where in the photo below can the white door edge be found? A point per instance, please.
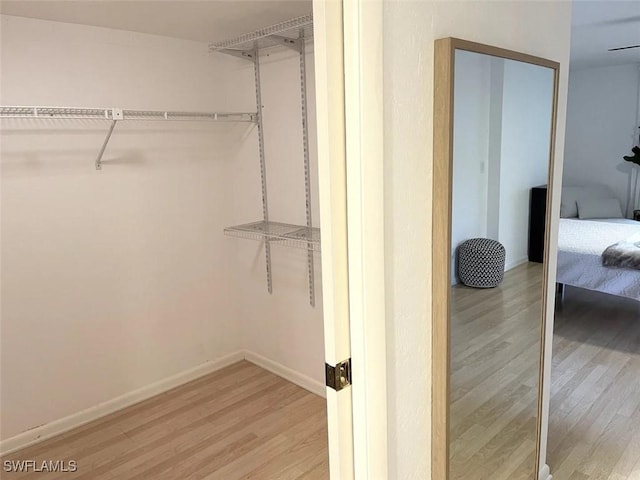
(348, 55)
(329, 79)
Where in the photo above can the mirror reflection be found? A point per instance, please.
(501, 160)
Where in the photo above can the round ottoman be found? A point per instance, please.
(481, 263)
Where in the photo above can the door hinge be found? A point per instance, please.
(339, 376)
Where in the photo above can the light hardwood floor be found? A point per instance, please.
(495, 349)
(241, 422)
(594, 426)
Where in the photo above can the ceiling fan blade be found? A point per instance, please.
(618, 21)
(624, 48)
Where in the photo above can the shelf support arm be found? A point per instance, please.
(295, 44)
(249, 55)
(104, 145)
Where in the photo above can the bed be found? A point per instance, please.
(581, 242)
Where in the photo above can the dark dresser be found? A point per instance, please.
(537, 217)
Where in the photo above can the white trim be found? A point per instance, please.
(545, 473)
(363, 75)
(287, 373)
(83, 417)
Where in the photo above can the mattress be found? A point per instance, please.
(580, 247)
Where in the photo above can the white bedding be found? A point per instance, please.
(580, 247)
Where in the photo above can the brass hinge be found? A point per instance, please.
(339, 376)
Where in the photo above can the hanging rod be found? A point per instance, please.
(268, 36)
(115, 115)
(121, 114)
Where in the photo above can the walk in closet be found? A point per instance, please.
(161, 276)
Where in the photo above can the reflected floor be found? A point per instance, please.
(495, 352)
(594, 423)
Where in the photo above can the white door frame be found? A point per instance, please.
(348, 56)
(329, 72)
(365, 213)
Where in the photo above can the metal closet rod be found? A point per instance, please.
(119, 114)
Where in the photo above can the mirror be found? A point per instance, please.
(494, 128)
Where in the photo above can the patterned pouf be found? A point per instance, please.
(481, 263)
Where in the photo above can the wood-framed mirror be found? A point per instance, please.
(494, 133)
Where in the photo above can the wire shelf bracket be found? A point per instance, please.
(293, 43)
(115, 115)
(249, 55)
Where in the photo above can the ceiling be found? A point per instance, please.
(600, 25)
(204, 20)
(596, 25)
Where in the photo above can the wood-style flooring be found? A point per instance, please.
(240, 422)
(495, 353)
(594, 425)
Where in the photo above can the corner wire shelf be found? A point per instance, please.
(291, 34)
(283, 234)
(268, 37)
(115, 115)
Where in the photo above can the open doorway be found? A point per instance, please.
(595, 408)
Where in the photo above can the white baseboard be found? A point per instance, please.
(83, 417)
(515, 263)
(545, 473)
(287, 373)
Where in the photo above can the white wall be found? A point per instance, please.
(502, 129)
(112, 280)
(538, 28)
(116, 279)
(470, 148)
(524, 159)
(495, 146)
(602, 126)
